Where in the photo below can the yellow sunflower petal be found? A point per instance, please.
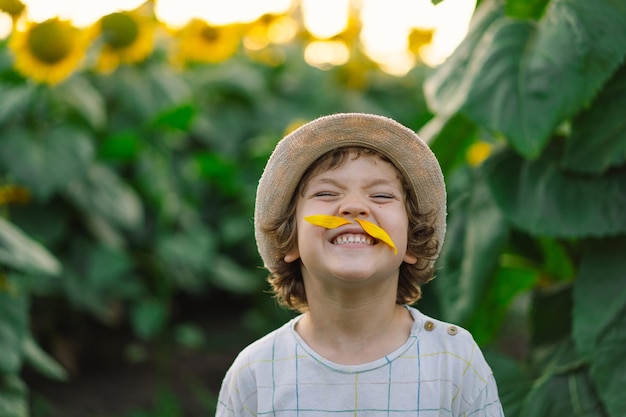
(377, 233)
(326, 221)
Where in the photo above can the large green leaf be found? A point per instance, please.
(144, 92)
(82, 98)
(523, 78)
(14, 101)
(599, 328)
(476, 235)
(20, 252)
(104, 197)
(13, 400)
(514, 381)
(598, 139)
(509, 282)
(231, 276)
(36, 357)
(541, 199)
(188, 254)
(599, 292)
(563, 388)
(527, 78)
(447, 88)
(608, 369)
(98, 277)
(47, 160)
(13, 327)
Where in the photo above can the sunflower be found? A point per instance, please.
(12, 7)
(127, 37)
(201, 42)
(477, 153)
(48, 51)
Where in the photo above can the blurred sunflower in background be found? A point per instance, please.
(126, 37)
(200, 42)
(269, 30)
(13, 8)
(48, 51)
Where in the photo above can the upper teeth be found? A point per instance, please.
(362, 239)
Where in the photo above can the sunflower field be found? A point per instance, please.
(130, 154)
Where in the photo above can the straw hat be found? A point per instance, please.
(298, 150)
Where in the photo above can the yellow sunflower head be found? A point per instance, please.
(12, 7)
(478, 152)
(201, 42)
(48, 51)
(126, 37)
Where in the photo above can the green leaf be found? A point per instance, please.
(557, 261)
(97, 278)
(233, 277)
(449, 138)
(82, 98)
(475, 237)
(564, 387)
(528, 78)
(488, 316)
(541, 199)
(598, 322)
(526, 9)
(120, 146)
(599, 292)
(13, 397)
(14, 101)
(447, 87)
(514, 382)
(176, 118)
(598, 140)
(46, 161)
(20, 252)
(104, 197)
(523, 78)
(188, 255)
(13, 330)
(551, 314)
(608, 369)
(36, 357)
(148, 318)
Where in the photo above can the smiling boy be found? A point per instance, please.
(349, 220)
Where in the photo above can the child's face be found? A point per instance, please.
(366, 188)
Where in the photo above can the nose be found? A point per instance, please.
(353, 206)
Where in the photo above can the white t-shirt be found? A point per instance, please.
(439, 371)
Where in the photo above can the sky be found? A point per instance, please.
(386, 23)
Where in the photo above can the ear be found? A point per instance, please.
(292, 255)
(409, 258)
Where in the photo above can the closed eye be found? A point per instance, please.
(383, 196)
(324, 194)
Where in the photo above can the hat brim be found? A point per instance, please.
(297, 151)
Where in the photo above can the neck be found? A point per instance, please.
(353, 330)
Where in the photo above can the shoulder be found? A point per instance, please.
(449, 342)
(440, 333)
(252, 367)
(269, 348)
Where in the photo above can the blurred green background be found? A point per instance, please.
(129, 157)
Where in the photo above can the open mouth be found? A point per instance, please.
(374, 233)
